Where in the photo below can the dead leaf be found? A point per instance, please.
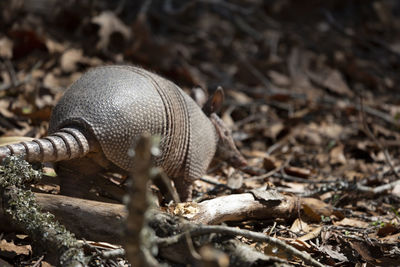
(70, 59)
(337, 155)
(331, 252)
(270, 196)
(299, 226)
(352, 223)
(274, 130)
(54, 47)
(298, 172)
(235, 180)
(311, 235)
(388, 229)
(213, 257)
(279, 79)
(269, 163)
(314, 209)
(369, 253)
(6, 48)
(109, 23)
(396, 190)
(10, 250)
(332, 80)
(391, 239)
(240, 97)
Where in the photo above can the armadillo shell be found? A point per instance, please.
(119, 103)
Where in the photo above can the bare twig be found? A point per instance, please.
(113, 253)
(367, 130)
(14, 81)
(199, 230)
(378, 189)
(139, 236)
(38, 262)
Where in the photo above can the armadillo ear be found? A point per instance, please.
(215, 102)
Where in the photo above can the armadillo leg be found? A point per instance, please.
(68, 143)
(184, 188)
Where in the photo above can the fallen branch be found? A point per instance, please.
(198, 230)
(101, 221)
(20, 207)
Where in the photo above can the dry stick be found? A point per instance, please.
(22, 209)
(114, 253)
(379, 189)
(378, 143)
(209, 229)
(138, 206)
(15, 82)
(11, 72)
(38, 263)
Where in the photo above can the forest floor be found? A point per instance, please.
(312, 97)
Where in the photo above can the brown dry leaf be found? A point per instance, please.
(213, 257)
(269, 163)
(6, 48)
(315, 208)
(54, 47)
(332, 80)
(109, 23)
(279, 79)
(387, 230)
(352, 223)
(235, 179)
(331, 130)
(396, 190)
(9, 249)
(229, 122)
(391, 239)
(331, 252)
(70, 59)
(298, 172)
(295, 187)
(352, 175)
(311, 235)
(309, 136)
(187, 210)
(368, 253)
(267, 195)
(301, 245)
(241, 98)
(337, 155)
(299, 226)
(273, 130)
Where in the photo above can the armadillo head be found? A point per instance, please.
(226, 148)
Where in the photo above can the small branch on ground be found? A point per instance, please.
(139, 237)
(21, 208)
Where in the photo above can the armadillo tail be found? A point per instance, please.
(67, 143)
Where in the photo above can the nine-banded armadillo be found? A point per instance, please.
(107, 110)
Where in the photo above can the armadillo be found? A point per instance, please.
(108, 108)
